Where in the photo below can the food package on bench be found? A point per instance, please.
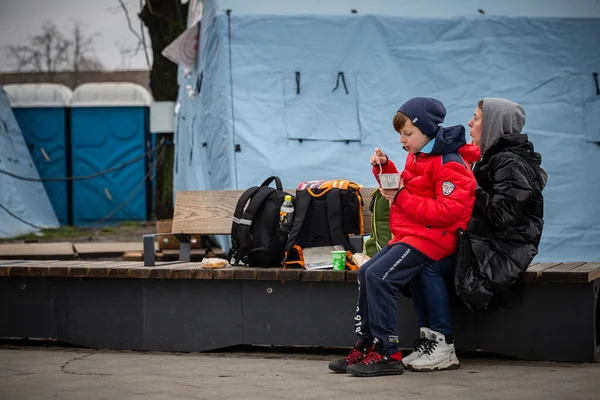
(360, 258)
(213, 263)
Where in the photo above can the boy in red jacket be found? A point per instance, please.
(434, 199)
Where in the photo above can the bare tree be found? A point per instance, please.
(83, 55)
(46, 52)
(51, 51)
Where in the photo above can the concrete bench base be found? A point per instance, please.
(551, 321)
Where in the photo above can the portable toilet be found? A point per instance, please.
(110, 127)
(41, 110)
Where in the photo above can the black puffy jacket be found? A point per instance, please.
(503, 235)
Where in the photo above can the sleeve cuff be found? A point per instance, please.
(397, 201)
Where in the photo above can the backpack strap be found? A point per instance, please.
(245, 223)
(270, 179)
(236, 240)
(334, 215)
(303, 202)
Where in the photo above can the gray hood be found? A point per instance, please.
(499, 117)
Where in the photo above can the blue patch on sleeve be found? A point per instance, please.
(446, 158)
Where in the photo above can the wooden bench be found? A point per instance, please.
(179, 306)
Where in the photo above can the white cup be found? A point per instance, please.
(389, 181)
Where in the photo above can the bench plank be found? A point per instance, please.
(19, 270)
(311, 276)
(140, 272)
(245, 273)
(52, 251)
(559, 272)
(60, 269)
(290, 274)
(209, 212)
(11, 262)
(267, 274)
(106, 249)
(587, 272)
(334, 276)
(161, 272)
(534, 271)
(579, 272)
(116, 269)
(183, 270)
(224, 273)
(39, 268)
(202, 273)
(85, 269)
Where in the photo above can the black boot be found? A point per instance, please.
(376, 364)
(356, 355)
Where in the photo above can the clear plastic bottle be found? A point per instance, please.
(286, 215)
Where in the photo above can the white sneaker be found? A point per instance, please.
(438, 355)
(420, 346)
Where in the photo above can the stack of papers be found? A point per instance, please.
(319, 257)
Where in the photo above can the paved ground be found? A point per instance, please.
(28, 373)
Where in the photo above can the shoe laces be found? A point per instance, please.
(430, 346)
(372, 357)
(421, 344)
(354, 356)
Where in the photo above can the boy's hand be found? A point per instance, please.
(378, 157)
(389, 194)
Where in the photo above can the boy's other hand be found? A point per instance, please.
(389, 194)
(378, 157)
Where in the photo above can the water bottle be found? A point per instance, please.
(286, 215)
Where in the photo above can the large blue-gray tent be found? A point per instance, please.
(306, 89)
(24, 205)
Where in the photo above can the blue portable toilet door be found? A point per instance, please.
(103, 138)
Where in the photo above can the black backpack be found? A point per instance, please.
(256, 239)
(326, 216)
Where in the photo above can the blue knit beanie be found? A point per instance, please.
(426, 113)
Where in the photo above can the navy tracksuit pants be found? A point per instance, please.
(379, 280)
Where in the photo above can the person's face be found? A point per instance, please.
(475, 127)
(412, 138)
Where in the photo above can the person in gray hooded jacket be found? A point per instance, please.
(504, 233)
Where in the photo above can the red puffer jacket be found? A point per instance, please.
(437, 199)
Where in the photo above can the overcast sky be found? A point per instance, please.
(21, 19)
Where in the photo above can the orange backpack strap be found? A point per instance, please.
(349, 262)
(294, 257)
(323, 193)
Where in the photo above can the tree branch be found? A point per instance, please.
(141, 38)
(143, 34)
